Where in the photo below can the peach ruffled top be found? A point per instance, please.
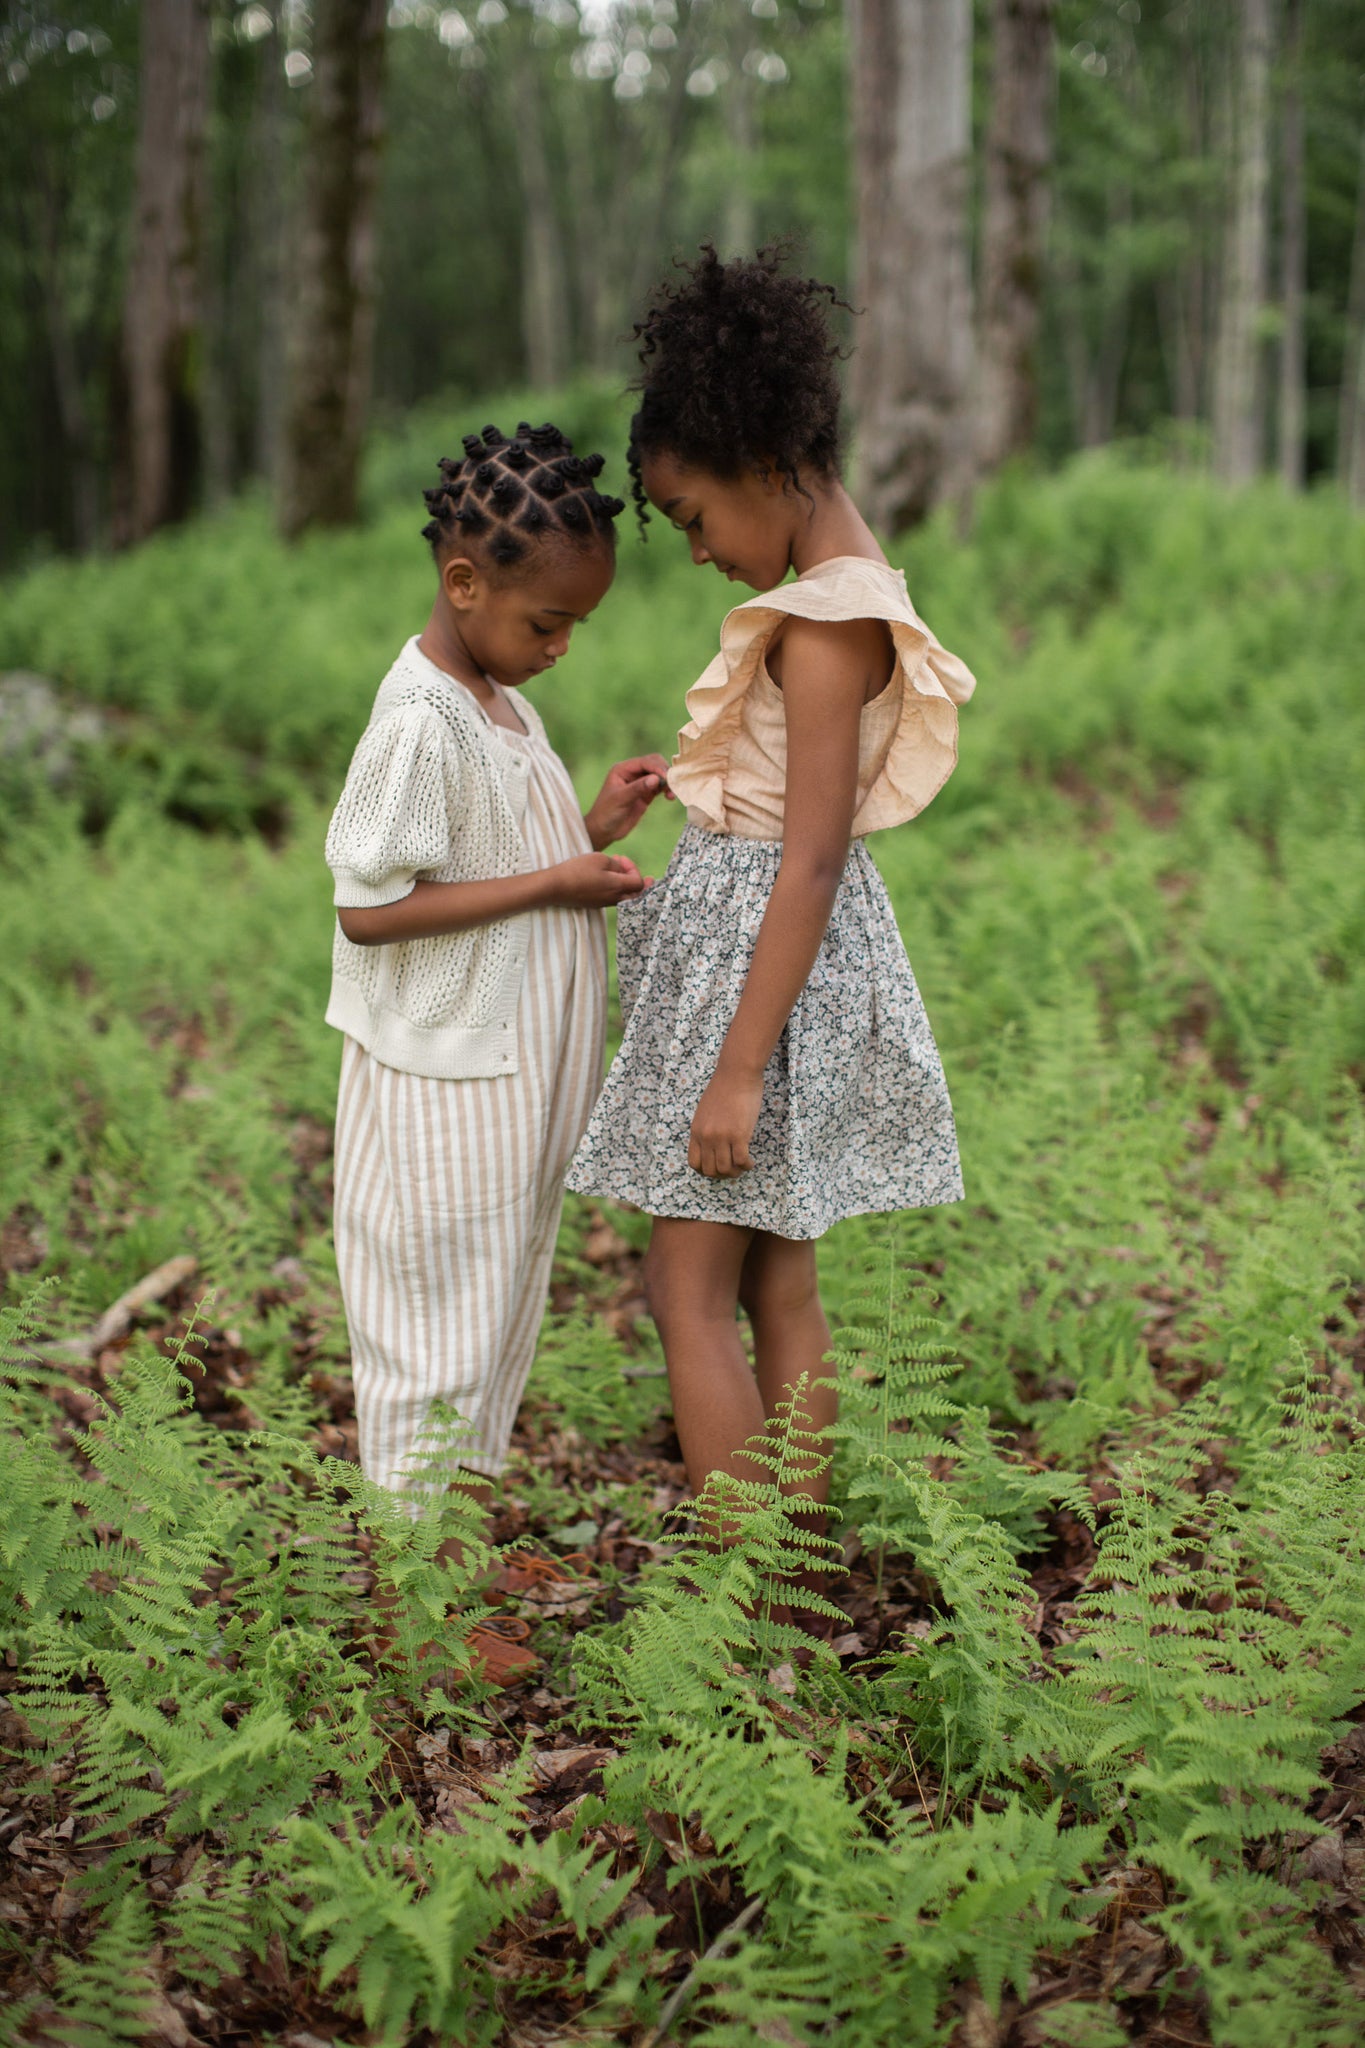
(731, 765)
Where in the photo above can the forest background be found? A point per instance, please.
(1083, 1761)
(1175, 194)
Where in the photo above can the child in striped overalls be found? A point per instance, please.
(469, 968)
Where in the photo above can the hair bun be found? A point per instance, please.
(505, 491)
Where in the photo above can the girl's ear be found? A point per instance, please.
(460, 580)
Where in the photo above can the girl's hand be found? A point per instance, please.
(625, 796)
(594, 881)
(724, 1125)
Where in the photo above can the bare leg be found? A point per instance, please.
(692, 1274)
(780, 1293)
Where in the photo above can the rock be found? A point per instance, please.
(39, 724)
(1323, 1861)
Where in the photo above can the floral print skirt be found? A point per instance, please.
(855, 1115)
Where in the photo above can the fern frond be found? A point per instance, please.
(109, 1994)
(207, 1928)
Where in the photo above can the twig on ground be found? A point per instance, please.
(117, 1319)
(689, 1983)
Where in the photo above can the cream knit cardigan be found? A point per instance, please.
(431, 793)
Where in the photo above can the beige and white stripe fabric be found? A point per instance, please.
(448, 1193)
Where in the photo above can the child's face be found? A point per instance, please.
(516, 629)
(743, 526)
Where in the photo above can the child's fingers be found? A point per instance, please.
(644, 776)
(719, 1158)
(701, 1156)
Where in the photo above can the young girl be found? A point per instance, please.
(777, 1071)
(469, 967)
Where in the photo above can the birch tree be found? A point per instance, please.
(1014, 225)
(910, 75)
(1237, 435)
(331, 335)
(544, 274)
(1293, 254)
(161, 316)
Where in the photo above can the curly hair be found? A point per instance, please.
(507, 498)
(737, 372)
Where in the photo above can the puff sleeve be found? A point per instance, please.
(396, 814)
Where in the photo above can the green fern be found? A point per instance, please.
(411, 1911)
(965, 1688)
(108, 1995)
(208, 1927)
(893, 1363)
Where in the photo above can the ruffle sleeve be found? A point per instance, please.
(394, 818)
(930, 683)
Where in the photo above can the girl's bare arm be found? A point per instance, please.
(828, 671)
(591, 881)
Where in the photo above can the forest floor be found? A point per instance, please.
(619, 1502)
(1081, 1758)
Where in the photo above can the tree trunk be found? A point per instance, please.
(911, 108)
(1351, 413)
(738, 94)
(1181, 286)
(1293, 256)
(161, 306)
(1014, 225)
(270, 216)
(331, 339)
(215, 368)
(652, 251)
(1104, 377)
(50, 201)
(544, 280)
(1237, 437)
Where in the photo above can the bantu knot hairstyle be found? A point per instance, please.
(737, 372)
(507, 498)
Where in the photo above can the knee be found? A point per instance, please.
(663, 1289)
(783, 1291)
(673, 1294)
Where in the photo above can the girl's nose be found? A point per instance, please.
(700, 554)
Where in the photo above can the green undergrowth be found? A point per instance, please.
(1137, 915)
(185, 1608)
